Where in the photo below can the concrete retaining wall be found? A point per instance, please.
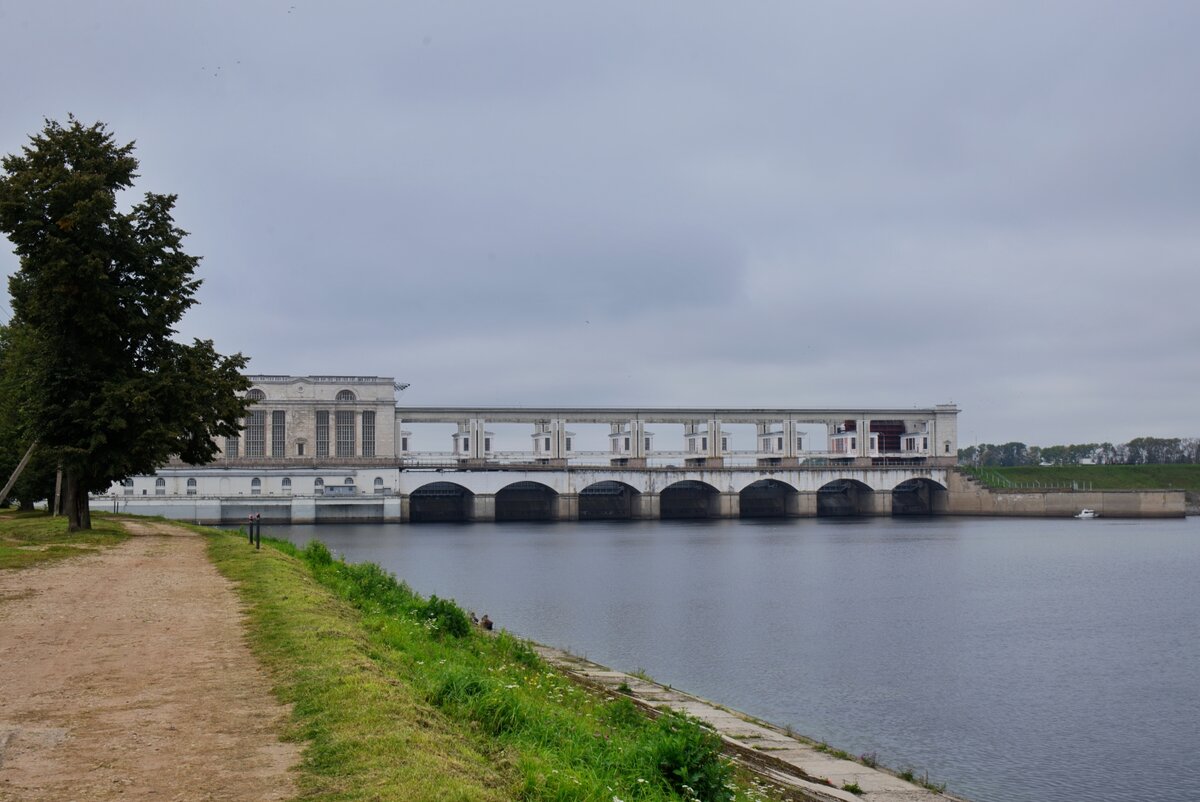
(967, 497)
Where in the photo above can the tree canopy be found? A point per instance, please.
(100, 383)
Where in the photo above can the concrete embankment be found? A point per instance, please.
(966, 496)
(799, 764)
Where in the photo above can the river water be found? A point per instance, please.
(1015, 660)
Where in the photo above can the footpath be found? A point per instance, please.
(784, 759)
(125, 674)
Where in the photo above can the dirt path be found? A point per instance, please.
(125, 675)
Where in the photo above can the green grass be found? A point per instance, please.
(33, 538)
(1103, 477)
(393, 701)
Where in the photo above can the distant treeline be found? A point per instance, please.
(1139, 451)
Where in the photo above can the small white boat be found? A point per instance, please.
(1087, 514)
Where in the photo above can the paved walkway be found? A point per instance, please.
(773, 753)
(126, 675)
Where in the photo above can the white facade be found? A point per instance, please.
(316, 417)
(321, 436)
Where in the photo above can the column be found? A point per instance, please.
(864, 441)
(716, 457)
(789, 439)
(645, 507)
(483, 507)
(476, 427)
(637, 442)
(567, 507)
(728, 505)
(558, 440)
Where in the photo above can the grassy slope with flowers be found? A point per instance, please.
(399, 697)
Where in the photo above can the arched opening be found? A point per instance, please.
(918, 497)
(344, 395)
(689, 499)
(256, 486)
(607, 501)
(287, 485)
(526, 501)
(768, 498)
(843, 498)
(256, 394)
(191, 487)
(160, 487)
(440, 501)
(318, 486)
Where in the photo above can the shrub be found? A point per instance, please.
(688, 757)
(622, 713)
(316, 553)
(443, 615)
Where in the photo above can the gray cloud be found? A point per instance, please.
(785, 203)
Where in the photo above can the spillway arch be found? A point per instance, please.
(526, 500)
(608, 500)
(440, 502)
(919, 496)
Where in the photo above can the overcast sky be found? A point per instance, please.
(764, 203)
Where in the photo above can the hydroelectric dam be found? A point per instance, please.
(338, 448)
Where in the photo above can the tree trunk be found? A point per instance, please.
(71, 502)
(85, 511)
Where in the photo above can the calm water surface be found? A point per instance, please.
(1012, 659)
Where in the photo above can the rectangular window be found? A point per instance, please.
(466, 444)
(724, 444)
(853, 443)
(232, 447)
(404, 444)
(278, 432)
(704, 444)
(780, 443)
(368, 434)
(299, 449)
(323, 433)
(647, 443)
(924, 443)
(626, 443)
(487, 444)
(345, 433)
(547, 443)
(799, 444)
(568, 444)
(256, 433)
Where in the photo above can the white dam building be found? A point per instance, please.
(317, 448)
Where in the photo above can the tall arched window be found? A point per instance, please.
(344, 395)
(256, 395)
(191, 487)
(318, 486)
(160, 487)
(349, 480)
(378, 484)
(287, 485)
(127, 486)
(256, 486)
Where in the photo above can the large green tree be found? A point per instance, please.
(107, 391)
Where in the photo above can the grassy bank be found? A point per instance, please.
(31, 538)
(1098, 477)
(400, 697)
